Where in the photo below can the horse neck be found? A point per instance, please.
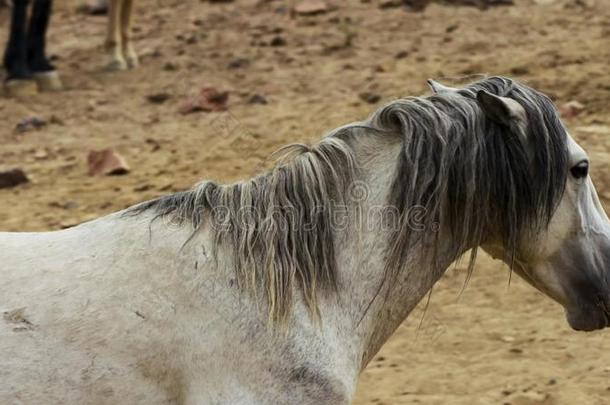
(375, 313)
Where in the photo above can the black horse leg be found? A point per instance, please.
(37, 32)
(15, 56)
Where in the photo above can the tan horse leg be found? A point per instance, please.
(128, 52)
(114, 47)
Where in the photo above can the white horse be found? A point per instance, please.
(280, 289)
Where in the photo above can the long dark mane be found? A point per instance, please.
(473, 174)
(467, 172)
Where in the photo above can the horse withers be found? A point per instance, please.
(281, 288)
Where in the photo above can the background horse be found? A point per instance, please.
(25, 57)
(281, 288)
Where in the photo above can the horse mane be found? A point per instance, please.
(465, 171)
(279, 224)
(471, 174)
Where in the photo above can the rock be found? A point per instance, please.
(419, 5)
(571, 109)
(69, 205)
(384, 4)
(451, 28)
(106, 162)
(12, 178)
(311, 7)
(519, 70)
(238, 63)
(30, 123)
(370, 98)
(209, 99)
(41, 154)
(257, 99)
(277, 41)
(170, 67)
(158, 98)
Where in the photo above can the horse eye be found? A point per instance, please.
(581, 170)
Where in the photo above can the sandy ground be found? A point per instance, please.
(493, 344)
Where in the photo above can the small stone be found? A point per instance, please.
(370, 98)
(519, 70)
(30, 123)
(12, 178)
(401, 54)
(158, 98)
(170, 67)
(66, 206)
(209, 99)
(385, 4)
(106, 162)
(257, 99)
(278, 41)
(311, 7)
(451, 28)
(41, 154)
(238, 63)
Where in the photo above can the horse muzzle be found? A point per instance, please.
(591, 316)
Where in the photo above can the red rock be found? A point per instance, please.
(209, 99)
(311, 7)
(12, 178)
(106, 162)
(571, 109)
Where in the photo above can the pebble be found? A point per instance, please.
(311, 7)
(12, 178)
(370, 98)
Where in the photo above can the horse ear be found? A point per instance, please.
(502, 110)
(438, 88)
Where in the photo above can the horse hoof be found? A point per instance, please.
(20, 88)
(132, 61)
(116, 65)
(48, 81)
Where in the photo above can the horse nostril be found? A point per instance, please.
(604, 304)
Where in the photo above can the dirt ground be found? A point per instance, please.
(493, 344)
